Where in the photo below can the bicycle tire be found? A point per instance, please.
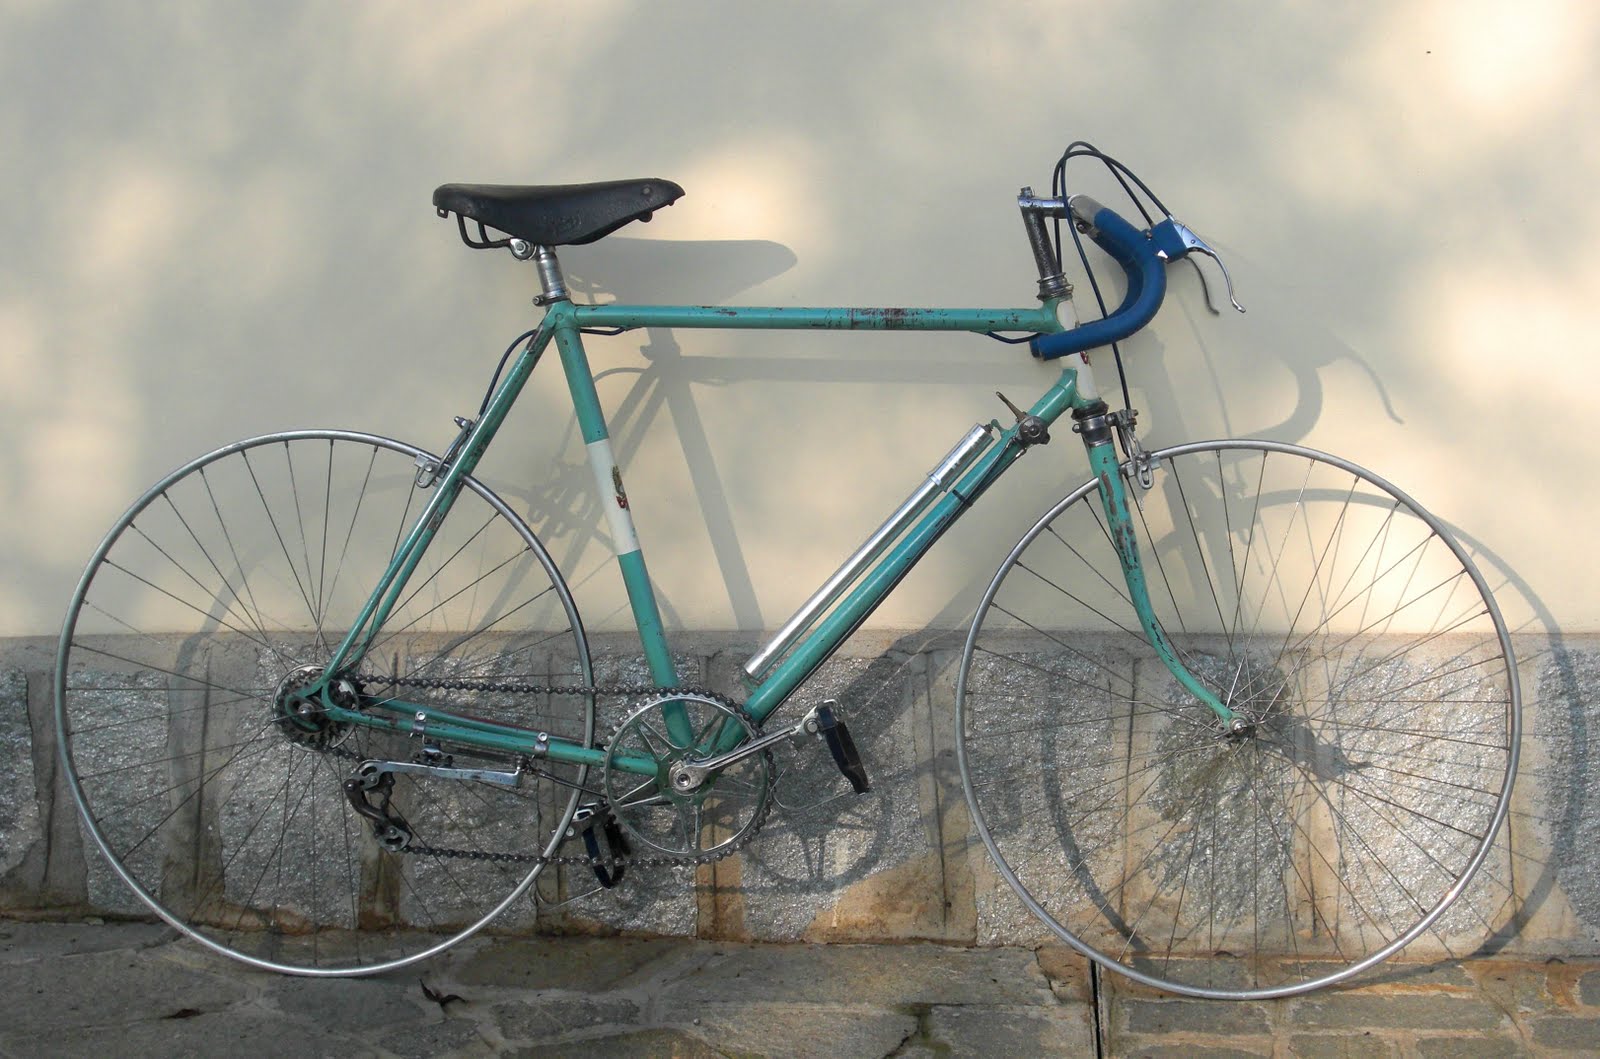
(240, 568)
(1339, 617)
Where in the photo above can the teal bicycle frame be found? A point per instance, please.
(563, 324)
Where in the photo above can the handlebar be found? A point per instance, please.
(1143, 255)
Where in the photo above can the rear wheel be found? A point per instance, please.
(219, 797)
(1337, 618)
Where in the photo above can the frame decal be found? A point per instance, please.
(624, 538)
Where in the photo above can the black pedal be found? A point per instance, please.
(616, 845)
(843, 748)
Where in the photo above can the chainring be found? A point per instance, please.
(700, 819)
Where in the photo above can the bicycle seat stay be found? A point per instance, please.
(553, 214)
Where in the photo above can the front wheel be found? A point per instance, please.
(1350, 632)
(220, 798)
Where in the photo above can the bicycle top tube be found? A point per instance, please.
(536, 219)
(1041, 320)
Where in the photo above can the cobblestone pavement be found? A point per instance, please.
(133, 989)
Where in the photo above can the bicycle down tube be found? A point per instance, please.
(563, 324)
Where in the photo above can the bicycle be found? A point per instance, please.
(1236, 718)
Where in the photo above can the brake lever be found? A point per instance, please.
(1193, 243)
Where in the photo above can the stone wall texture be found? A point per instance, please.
(899, 863)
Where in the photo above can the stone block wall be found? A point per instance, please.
(899, 863)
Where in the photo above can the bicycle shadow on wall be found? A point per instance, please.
(1541, 872)
(674, 272)
(1279, 318)
(1557, 798)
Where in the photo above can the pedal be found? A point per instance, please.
(842, 747)
(593, 820)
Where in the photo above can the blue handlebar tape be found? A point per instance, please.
(1147, 285)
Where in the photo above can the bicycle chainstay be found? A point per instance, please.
(610, 863)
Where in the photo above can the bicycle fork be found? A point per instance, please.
(1094, 423)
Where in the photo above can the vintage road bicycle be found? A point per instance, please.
(1235, 718)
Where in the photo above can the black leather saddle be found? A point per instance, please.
(554, 214)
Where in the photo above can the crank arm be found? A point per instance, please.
(372, 768)
(687, 775)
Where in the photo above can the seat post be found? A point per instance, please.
(550, 278)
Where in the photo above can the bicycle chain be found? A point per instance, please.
(563, 690)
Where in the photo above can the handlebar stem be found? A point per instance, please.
(1052, 283)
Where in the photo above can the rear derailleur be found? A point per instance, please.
(388, 826)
